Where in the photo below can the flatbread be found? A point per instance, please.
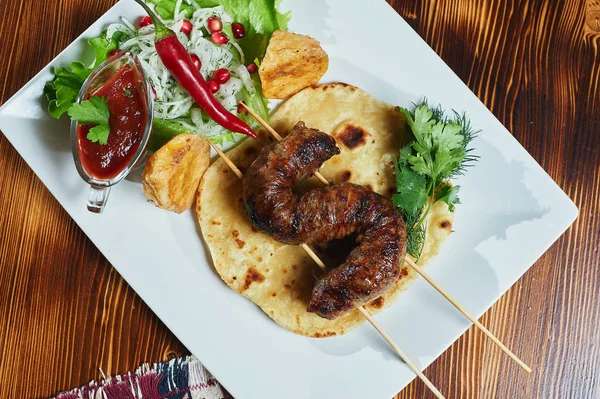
(279, 278)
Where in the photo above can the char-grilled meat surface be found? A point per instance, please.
(325, 214)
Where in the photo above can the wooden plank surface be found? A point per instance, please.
(64, 311)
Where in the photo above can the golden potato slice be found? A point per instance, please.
(292, 62)
(172, 174)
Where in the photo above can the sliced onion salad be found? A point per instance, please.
(172, 102)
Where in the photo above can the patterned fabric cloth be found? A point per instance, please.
(183, 378)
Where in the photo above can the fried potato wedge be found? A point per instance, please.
(292, 62)
(172, 174)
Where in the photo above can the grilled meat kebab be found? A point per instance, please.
(326, 214)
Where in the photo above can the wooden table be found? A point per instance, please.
(64, 311)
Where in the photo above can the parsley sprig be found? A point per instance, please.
(94, 112)
(440, 151)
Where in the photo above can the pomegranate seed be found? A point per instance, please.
(241, 109)
(154, 94)
(145, 21)
(196, 61)
(252, 68)
(213, 86)
(115, 52)
(219, 38)
(238, 30)
(222, 75)
(214, 24)
(186, 27)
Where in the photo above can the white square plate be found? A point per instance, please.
(512, 212)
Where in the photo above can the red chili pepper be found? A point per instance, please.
(179, 63)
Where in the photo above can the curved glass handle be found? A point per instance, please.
(97, 199)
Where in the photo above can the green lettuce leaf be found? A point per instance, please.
(227, 137)
(261, 19)
(103, 46)
(256, 101)
(62, 91)
(60, 100)
(166, 8)
(164, 130)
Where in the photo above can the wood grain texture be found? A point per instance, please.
(532, 65)
(64, 311)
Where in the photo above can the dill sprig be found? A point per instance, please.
(415, 234)
(469, 134)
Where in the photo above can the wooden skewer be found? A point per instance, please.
(102, 373)
(314, 256)
(419, 270)
(225, 158)
(402, 355)
(380, 330)
(361, 309)
(467, 314)
(277, 136)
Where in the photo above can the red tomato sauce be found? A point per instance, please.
(126, 98)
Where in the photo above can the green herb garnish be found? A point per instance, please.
(440, 150)
(127, 92)
(93, 112)
(62, 91)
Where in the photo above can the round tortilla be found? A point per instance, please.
(279, 278)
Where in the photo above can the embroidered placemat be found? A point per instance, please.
(183, 378)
